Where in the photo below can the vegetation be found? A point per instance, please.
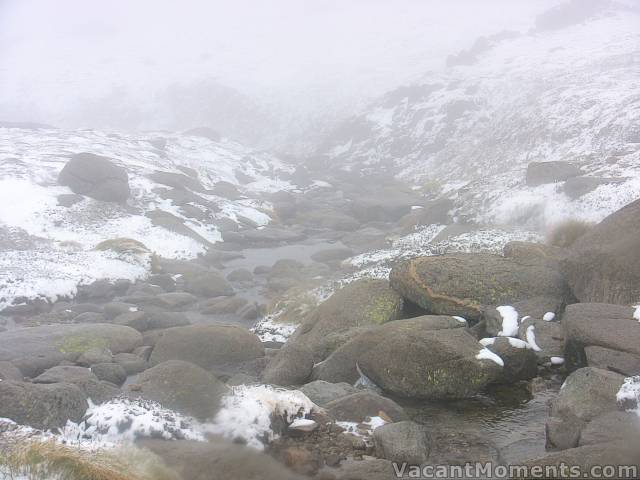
(48, 460)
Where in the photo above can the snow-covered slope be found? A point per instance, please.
(469, 131)
(47, 249)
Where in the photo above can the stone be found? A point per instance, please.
(95, 355)
(41, 406)
(358, 406)
(208, 346)
(110, 372)
(520, 361)
(624, 363)
(540, 173)
(321, 392)
(292, 365)
(82, 377)
(604, 263)
(206, 284)
(96, 177)
(402, 442)
(183, 387)
(463, 284)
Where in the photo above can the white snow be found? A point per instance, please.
(488, 341)
(48, 249)
(549, 316)
(531, 338)
(460, 319)
(517, 343)
(509, 321)
(486, 354)
(629, 394)
(636, 313)
(557, 361)
(246, 413)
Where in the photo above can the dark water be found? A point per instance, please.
(509, 416)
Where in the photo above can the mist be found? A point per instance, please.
(284, 69)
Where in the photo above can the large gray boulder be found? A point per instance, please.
(218, 460)
(366, 302)
(33, 350)
(341, 365)
(540, 173)
(357, 407)
(602, 325)
(209, 346)
(94, 389)
(42, 406)
(402, 442)
(465, 284)
(321, 392)
(292, 365)
(206, 284)
(183, 387)
(520, 361)
(432, 364)
(547, 338)
(604, 264)
(95, 176)
(586, 394)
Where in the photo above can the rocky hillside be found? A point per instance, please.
(181, 193)
(565, 91)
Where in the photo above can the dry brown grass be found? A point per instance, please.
(46, 460)
(566, 233)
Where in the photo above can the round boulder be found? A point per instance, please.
(97, 177)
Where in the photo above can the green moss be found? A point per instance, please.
(78, 344)
(383, 309)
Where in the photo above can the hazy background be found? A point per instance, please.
(271, 74)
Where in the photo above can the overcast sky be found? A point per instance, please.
(302, 55)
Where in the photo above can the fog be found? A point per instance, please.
(268, 73)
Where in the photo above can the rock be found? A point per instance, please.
(160, 319)
(240, 275)
(402, 442)
(624, 363)
(110, 372)
(462, 284)
(178, 181)
(340, 366)
(131, 363)
(97, 391)
(113, 309)
(368, 468)
(611, 427)
(330, 255)
(206, 284)
(266, 236)
(387, 205)
(163, 280)
(364, 302)
(96, 177)
(174, 223)
(137, 320)
(123, 245)
(586, 394)
(69, 199)
(545, 337)
(535, 308)
(241, 379)
(223, 306)
(208, 346)
(434, 364)
(183, 387)
(358, 406)
(174, 300)
(36, 349)
(589, 456)
(226, 190)
(41, 406)
(8, 371)
(218, 460)
(90, 317)
(292, 365)
(604, 263)
(520, 361)
(95, 355)
(540, 173)
(601, 325)
(576, 187)
(321, 392)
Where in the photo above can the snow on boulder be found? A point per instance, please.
(97, 177)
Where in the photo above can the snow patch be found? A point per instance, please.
(486, 354)
(509, 321)
(636, 312)
(549, 316)
(531, 338)
(629, 395)
(557, 361)
(460, 319)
